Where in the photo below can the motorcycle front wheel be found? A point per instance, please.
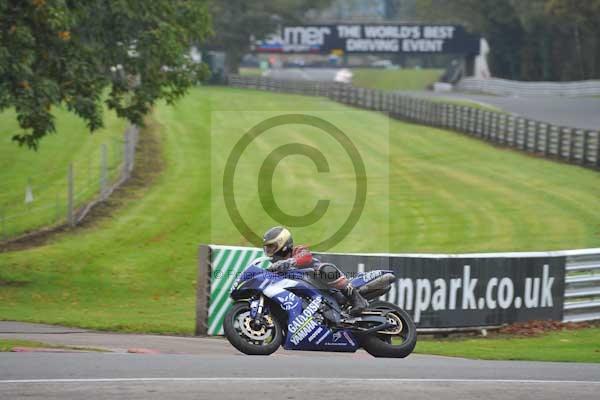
(248, 336)
(397, 345)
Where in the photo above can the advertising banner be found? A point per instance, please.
(371, 38)
(461, 291)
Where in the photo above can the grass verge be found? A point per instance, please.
(249, 71)
(581, 345)
(379, 78)
(395, 79)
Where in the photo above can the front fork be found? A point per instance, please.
(259, 311)
(257, 307)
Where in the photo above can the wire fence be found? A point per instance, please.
(64, 195)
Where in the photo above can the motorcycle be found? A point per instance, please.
(299, 312)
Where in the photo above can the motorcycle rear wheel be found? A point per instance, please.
(249, 340)
(382, 345)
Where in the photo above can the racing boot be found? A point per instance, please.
(358, 302)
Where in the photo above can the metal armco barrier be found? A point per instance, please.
(504, 87)
(576, 146)
(582, 285)
(441, 291)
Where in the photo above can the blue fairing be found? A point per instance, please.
(304, 331)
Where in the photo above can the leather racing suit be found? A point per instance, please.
(301, 258)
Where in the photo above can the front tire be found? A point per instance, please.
(248, 339)
(382, 345)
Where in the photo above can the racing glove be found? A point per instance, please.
(282, 266)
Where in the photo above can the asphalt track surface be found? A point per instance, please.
(583, 112)
(198, 368)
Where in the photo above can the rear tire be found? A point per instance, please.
(380, 345)
(244, 343)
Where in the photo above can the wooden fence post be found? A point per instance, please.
(485, 125)
(70, 198)
(528, 135)
(103, 171)
(597, 149)
(203, 290)
(572, 136)
(512, 132)
(559, 151)
(479, 122)
(466, 117)
(536, 137)
(502, 128)
(524, 133)
(395, 105)
(547, 138)
(584, 147)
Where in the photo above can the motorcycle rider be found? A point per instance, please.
(279, 245)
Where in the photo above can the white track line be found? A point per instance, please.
(300, 379)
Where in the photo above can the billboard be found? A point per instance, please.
(458, 291)
(371, 38)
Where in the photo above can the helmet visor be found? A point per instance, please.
(270, 249)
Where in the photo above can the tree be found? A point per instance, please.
(530, 40)
(580, 22)
(400, 10)
(237, 21)
(75, 53)
(496, 20)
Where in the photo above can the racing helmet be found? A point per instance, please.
(278, 243)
